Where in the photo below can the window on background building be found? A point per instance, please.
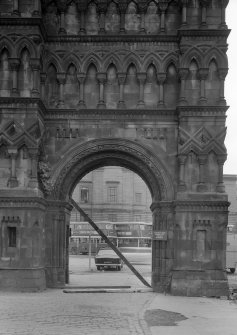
(138, 218)
(84, 195)
(112, 217)
(112, 194)
(138, 198)
(11, 236)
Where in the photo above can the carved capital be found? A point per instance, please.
(222, 73)
(141, 77)
(182, 158)
(81, 77)
(43, 77)
(101, 76)
(61, 78)
(121, 78)
(183, 73)
(35, 64)
(221, 159)
(163, 5)
(161, 77)
(123, 6)
(61, 5)
(202, 159)
(14, 63)
(12, 152)
(203, 73)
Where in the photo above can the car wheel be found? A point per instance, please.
(232, 270)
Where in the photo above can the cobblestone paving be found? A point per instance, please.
(56, 313)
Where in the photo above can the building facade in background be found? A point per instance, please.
(113, 194)
(230, 181)
(94, 83)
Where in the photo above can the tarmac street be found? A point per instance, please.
(54, 312)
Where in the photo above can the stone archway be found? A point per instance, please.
(86, 157)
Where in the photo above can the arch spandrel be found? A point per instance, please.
(91, 155)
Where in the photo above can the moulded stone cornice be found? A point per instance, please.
(204, 32)
(196, 111)
(20, 102)
(23, 21)
(201, 206)
(21, 202)
(113, 38)
(112, 114)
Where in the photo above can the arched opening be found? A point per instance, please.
(118, 201)
(78, 162)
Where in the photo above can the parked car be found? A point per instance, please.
(107, 258)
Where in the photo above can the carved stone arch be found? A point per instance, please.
(112, 59)
(71, 59)
(218, 56)
(132, 59)
(190, 146)
(216, 147)
(168, 60)
(91, 59)
(151, 59)
(26, 43)
(4, 140)
(192, 54)
(83, 158)
(25, 140)
(7, 44)
(53, 59)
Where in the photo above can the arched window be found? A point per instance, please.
(92, 22)
(112, 18)
(71, 88)
(112, 88)
(152, 19)
(25, 74)
(72, 21)
(91, 89)
(131, 87)
(171, 87)
(132, 19)
(212, 84)
(5, 74)
(193, 84)
(151, 88)
(52, 87)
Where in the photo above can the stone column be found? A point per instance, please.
(224, 3)
(183, 73)
(184, 12)
(101, 78)
(121, 80)
(161, 79)
(81, 78)
(43, 78)
(61, 77)
(203, 74)
(14, 65)
(33, 182)
(204, 4)
(12, 181)
(163, 6)
(181, 184)
(222, 75)
(220, 188)
(15, 11)
(35, 65)
(142, 78)
(202, 187)
(162, 245)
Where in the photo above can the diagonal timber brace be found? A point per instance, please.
(112, 246)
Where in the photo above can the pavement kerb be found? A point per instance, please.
(108, 290)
